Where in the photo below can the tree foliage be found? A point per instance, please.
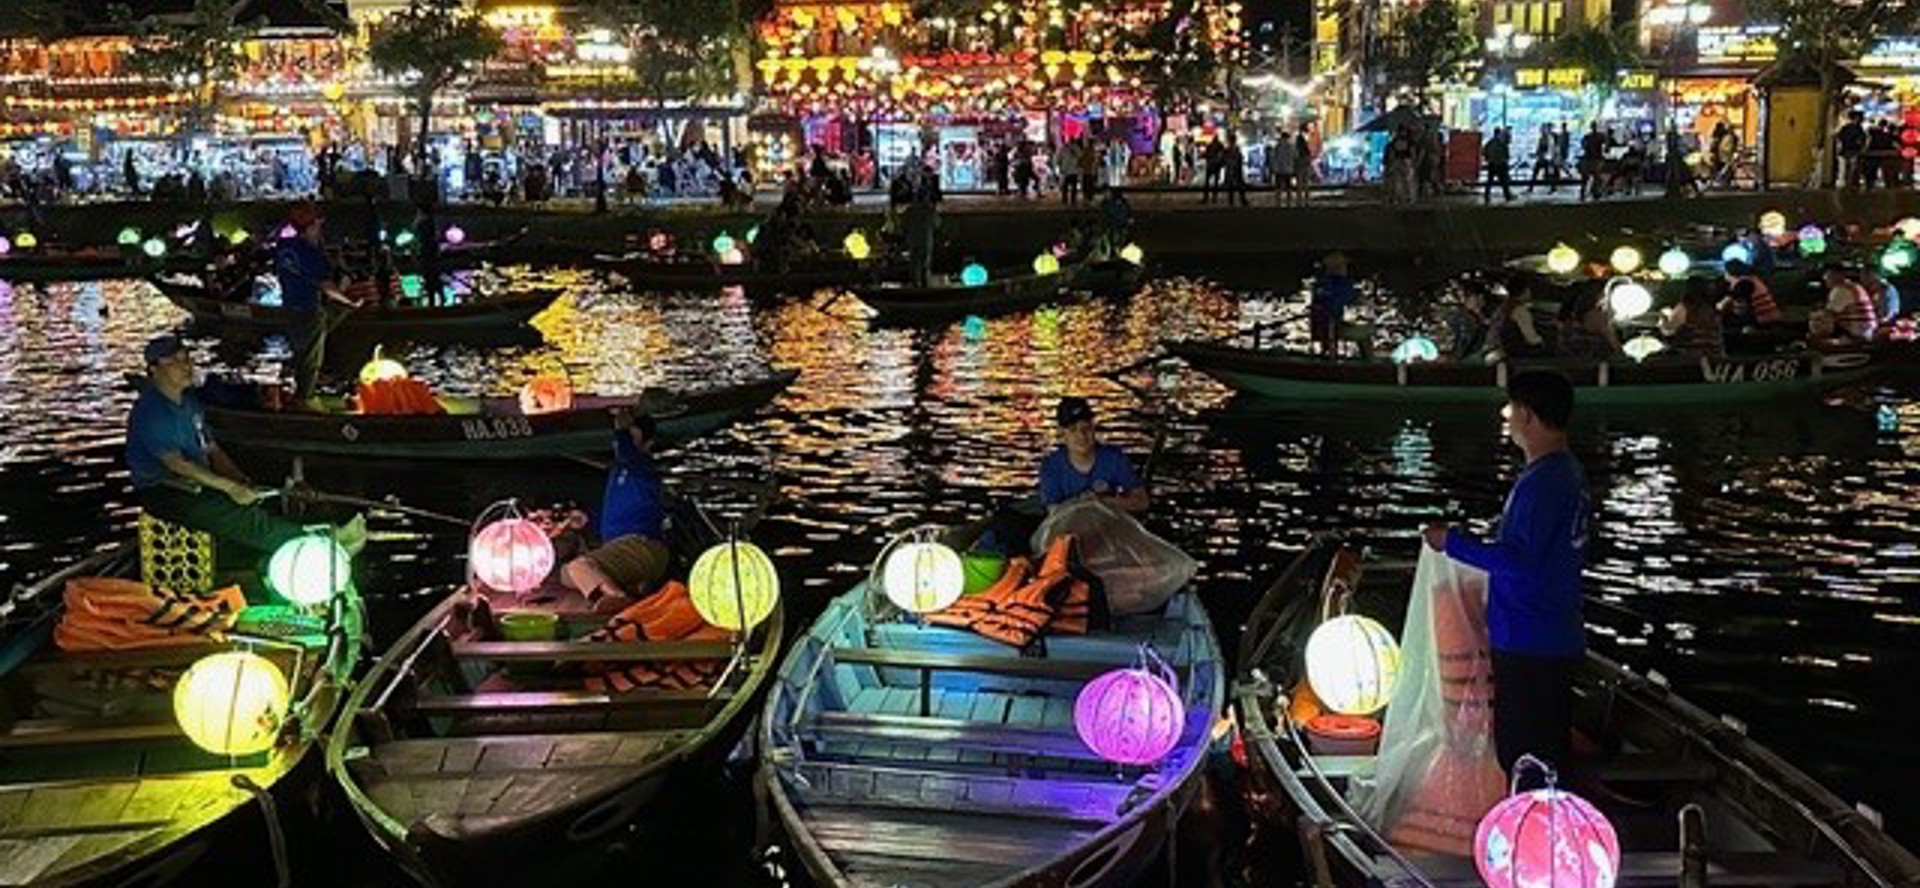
(1433, 45)
(432, 44)
(31, 18)
(682, 49)
(199, 52)
(1599, 51)
(1177, 58)
(1820, 35)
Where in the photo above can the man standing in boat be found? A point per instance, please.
(306, 284)
(633, 555)
(1534, 566)
(181, 477)
(1082, 466)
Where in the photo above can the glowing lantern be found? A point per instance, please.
(333, 91)
(1626, 259)
(1773, 223)
(1908, 228)
(1132, 253)
(922, 577)
(1736, 252)
(546, 394)
(6, 246)
(404, 239)
(857, 246)
(723, 243)
(732, 257)
(1546, 837)
(1352, 664)
(1416, 348)
(511, 554)
(381, 368)
(1060, 249)
(231, 703)
(1628, 299)
(1813, 240)
(1675, 262)
(26, 240)
(455, 235)
(1642, 347)
(734, 585)
(287, 232)
(973, 275)
(412, 286)
(1563, 259)
(753, 234)
(1898, 258)
(129, 237)
(659, 242)
(154, 248)
(238, 236)
(309, 570)
(1130, 716)
(1046, 263)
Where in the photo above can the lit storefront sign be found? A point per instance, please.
(1575, 78)
(1743, 44)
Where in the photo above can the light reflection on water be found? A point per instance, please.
(1763, 560)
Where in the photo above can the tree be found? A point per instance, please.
(31, 18)
(681, 49)
(1819, 36)
(199, 53)
(1600, 52)
(1177, 57)
(431, 44)
(1433, 45)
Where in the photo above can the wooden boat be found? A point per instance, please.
(52, 264)
(648, 271)
(476, 761)
(487, 428)
(1658, 380)
(99, 786)
(229, 311)
(896, 303)
(1765, 822)
(901, 753)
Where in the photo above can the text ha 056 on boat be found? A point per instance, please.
(1686, 798)
(1013, 736)
(152, 718)
(515, 730)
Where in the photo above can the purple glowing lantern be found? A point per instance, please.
(455, 236)
(1131, 716)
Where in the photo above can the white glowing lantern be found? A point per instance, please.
(1908, 228)
(1628, 299)
(1675, 262)
(1642, 347)
(923, 577)
(1352, 664)
(1626, 259)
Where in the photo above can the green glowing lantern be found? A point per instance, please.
(1675, 262)
(129, 237)
(309, 570)
(1563, 259)
(404, 239)
(238, 236)
(411, 286)
(154, 247)
(26, 240)
(723, 244)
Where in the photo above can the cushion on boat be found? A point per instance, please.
(175, 557)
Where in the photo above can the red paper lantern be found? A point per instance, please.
(1546, 837)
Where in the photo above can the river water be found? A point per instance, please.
(1764, 559)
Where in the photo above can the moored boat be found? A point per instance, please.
(1693, 799)
(53, 265)
(486, 428)
(233, 310)
(650, 271)
(895, 303)
(1658, 380)
(100, 784)
(898, 752)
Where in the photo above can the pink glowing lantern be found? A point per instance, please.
(1130, 716)
(659, 242)
(455, 235)
(1546, 837)
(287, 232)
(511, 554)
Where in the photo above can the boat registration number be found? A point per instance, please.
(494, 428)
(235, 310)
(1779, 370)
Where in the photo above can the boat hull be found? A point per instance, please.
(642, 274)
(911, 305)
(491, 314)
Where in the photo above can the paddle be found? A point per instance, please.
(296, 488)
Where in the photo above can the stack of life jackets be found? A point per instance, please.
(398, 397)
(108, 614)
(1018, 609)
(666, 615)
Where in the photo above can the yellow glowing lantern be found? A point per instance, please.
(857, 246)
(1626, 259)
(1563, 259)
(380, 368)
(1352, 664)
(923, 577)
(310, 569)
(333, 91)
(1773, 223)
(1046, 263)
(1132, 253)
(26, 240)
(734, 585)
(232, 703)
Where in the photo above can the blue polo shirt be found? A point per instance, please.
(1060, 481)
(301, 268)
(156, 427)
(1534, 566)
(632, 504)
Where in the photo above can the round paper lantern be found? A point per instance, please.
(1736, 252)
(287, 232)
(1812, 240)
(1352, 664)
(1129, 716)
(309, 570)
(405, 238)
(1546, 837)
(6, 246)
(1132, 253)
(731, 578)
(1563, 259)
(723, 243)
(659, 242)
(1908, 228)
(1897, 258)
(1416, 348)
(231, 703)
(1628, 299)
(1046, 263)
(1626, 259)
(546, 394)
(856, 245)
(26, 240)
(1642, 347)
(1675, 262)
(973, 275)
(1773, 223)
(154, 248)
(238, 236)
(923, 577)
(380, 368)
(128, 237)
(732, 257)
(455, 235)
(511, 554)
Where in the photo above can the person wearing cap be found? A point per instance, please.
(1082, 466)
(180, 476)
(633, 555)
(306, 283)
(1534, 565)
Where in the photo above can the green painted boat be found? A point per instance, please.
(1659, 380)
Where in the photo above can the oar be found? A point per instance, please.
(389, 504)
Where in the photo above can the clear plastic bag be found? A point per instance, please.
(1437, 774)
(1139, 570)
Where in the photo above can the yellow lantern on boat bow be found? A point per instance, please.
(734, 585)
(232, 703)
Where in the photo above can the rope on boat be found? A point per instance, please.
(276, 837)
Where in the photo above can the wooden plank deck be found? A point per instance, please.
(504, 777)
(935, 849)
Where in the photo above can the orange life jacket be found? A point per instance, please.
(666, 615)
(1017, 609)
(106, 613)
(398, 397)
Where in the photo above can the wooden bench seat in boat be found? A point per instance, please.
(1631, 767)
(39, 733)
(517, 702)
(1661, 869)
(581, 651)
(1012, 740)
(1087, 799)
(936, 661)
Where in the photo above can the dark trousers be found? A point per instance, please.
(1502, 176)
(1533, 710)
(232, 524)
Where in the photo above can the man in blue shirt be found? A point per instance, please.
(1082, 466)
(633, 555)
(1333, 293)
(180, 476)
(306, 283)
(1534, 567)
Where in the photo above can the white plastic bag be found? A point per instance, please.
(1437, 773)
(1139, 570)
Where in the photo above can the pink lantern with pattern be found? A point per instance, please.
(510, 554)
(1131, 716)
(1548, 838)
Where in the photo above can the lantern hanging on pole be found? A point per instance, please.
(231, 703)
(1675, 262)
(1628, 299)
(1563, 259)
(1545, 837)
(1352, 664)
(734, 585)
(973, 275)
(309, 569)
(856, 245)
(1626, 259)
(508, 552)
(1132, 716)
(919, 574)
(1773, 223)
